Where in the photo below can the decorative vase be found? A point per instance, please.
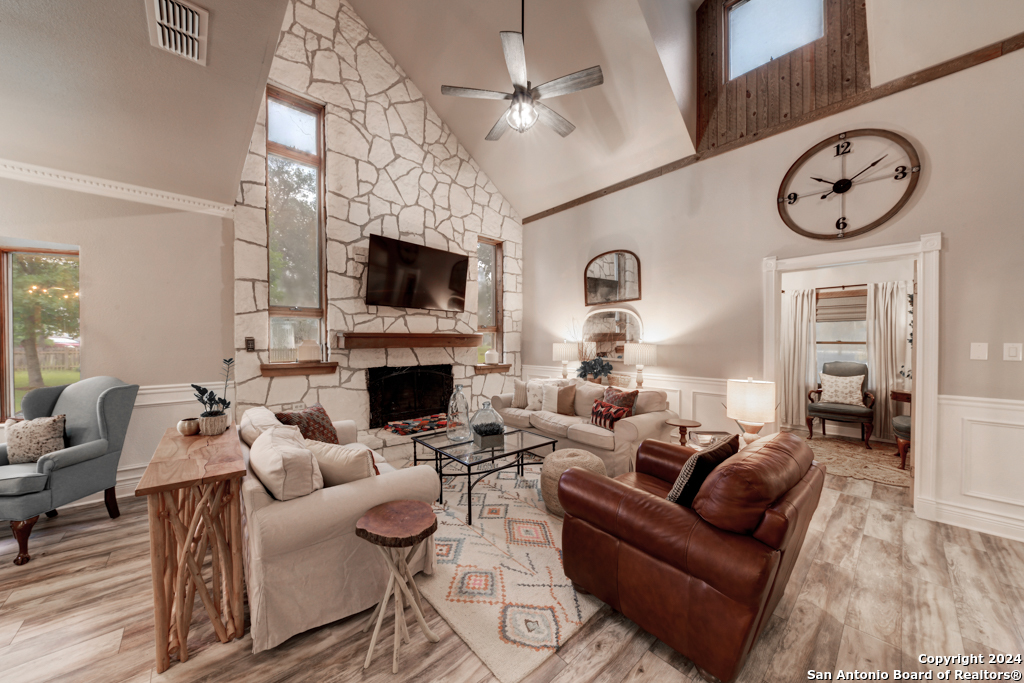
(189, 426)
(458, 417)
(488, 428)
(491, 357)
(213, 425)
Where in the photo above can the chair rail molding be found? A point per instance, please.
(926, 348)
(66, 180)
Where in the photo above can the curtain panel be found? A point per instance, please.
(889, 325)
(798, 360)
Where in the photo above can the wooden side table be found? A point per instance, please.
(192, 486)
(683, 426)
(397, 529)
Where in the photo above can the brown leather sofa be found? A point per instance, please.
(703, 580)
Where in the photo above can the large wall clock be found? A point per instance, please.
(849, 184)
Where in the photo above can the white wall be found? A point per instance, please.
(857, 274)
(905, 36)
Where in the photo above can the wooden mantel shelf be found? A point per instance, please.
(385, 340)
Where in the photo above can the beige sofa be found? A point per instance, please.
(617, 448)
(304, 565)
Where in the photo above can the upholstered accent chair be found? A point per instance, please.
(98, 410)
(901, 428)
(839, 412)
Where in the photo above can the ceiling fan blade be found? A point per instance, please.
(581, 80)
(456, 91)
(551, 118)
(515, 57)
(499, 128)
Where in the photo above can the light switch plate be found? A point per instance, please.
(979, 351)
(1012, 351)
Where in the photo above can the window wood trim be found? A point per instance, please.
(7, 322)
(319, 162)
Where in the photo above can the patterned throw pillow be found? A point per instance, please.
(29, 440)
(697, 469)
(622, 399)
(313, 422)
(606, 415)
(845, 390)
(519, 394)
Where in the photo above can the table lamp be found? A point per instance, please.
(565, 352)
(640, 355)
(751, 403)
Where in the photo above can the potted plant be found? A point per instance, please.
(214, 420)
(596, 368)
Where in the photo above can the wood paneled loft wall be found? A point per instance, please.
(792, 87)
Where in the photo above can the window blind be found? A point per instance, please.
(841, 305)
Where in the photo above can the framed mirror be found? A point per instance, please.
(611, 278)
(610, 329)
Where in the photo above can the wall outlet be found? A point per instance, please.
(361, 254)
(1012, 351)
(250, 344)
(979, 351)
(292, 406)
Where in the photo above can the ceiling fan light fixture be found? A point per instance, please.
(522, 114)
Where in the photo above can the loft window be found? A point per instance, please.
(841, 328)
(489, 294)
(759, 31)
(40, 337)
(294, 223)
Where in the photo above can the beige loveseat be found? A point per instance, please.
(304, 565)
(617, 448)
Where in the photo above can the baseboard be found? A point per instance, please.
(970, 518)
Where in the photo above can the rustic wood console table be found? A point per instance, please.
(192, 485)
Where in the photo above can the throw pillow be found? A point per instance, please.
(341, 464)
(519, 394)
(620, 398)
(845, 390)
(559, 399)
(255, 421)
(698, 467)
(586, 394)
(313, 422)
(287, 468)
(534, 395)
(29, 440)
(606, 415)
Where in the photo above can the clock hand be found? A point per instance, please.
(822, 180)
(871, 165)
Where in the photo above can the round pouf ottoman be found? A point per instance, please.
(559, 462)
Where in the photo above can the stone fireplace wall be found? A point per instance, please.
(393, 168)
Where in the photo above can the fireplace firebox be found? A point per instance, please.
(405, 393)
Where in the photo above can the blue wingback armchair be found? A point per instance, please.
(98, 411)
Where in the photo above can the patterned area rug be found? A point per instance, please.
(849, 458)
(499, 584)
(419, 424)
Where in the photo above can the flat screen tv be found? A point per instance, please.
(406, 275)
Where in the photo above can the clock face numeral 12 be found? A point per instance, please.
(849, 184)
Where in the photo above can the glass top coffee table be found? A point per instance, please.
(465, 459)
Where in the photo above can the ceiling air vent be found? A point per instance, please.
(178, 27)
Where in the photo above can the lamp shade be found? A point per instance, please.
(640, 354)
(564, 351)
(750, 400)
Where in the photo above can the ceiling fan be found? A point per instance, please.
(525, 109)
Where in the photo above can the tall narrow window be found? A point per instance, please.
(759, 31)
(41, 336)
(294, 220)
(841, 328)
(489, 293)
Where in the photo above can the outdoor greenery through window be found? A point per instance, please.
(294, 218)
(44, 336)
(489, 291)
(762, 30)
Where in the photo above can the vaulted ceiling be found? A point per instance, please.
(627, 126)
(82, 90)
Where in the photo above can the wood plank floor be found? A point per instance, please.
(874, 587)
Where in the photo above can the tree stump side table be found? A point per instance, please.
(397, 529)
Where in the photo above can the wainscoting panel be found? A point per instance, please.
(980, 464)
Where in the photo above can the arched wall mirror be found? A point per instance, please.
(610, 329)
(611, 278)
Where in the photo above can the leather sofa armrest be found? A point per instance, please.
(67, 457)
(347, 431)
(662, 460)
(733, 564)
(501, 401)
